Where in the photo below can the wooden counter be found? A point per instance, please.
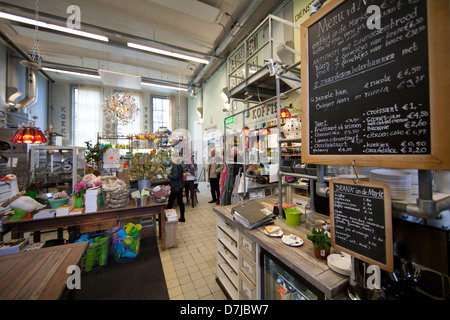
(300, 259)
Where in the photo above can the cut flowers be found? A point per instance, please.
(89, 181)
(60, 195)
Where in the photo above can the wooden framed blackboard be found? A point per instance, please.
(377, 94)
(361, 221)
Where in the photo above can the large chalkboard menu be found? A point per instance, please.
(361, 221)
(367, 88)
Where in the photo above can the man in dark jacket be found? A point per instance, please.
(176, 187)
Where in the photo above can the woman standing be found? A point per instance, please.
(176, 187)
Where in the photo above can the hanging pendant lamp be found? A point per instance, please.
(29, 134)
(284, 113)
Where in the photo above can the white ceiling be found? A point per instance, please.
(206, 29)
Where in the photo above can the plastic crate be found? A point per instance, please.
(299, 167)
(96, 255)
(286, 165)
(125, 248)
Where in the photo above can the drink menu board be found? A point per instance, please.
(361, 221)
(366, 84)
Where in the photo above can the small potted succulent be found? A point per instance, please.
(321, 242)
(59, 199)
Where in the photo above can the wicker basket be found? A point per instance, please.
(125, 248)
(115, 198)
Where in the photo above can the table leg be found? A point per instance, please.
(186, 190)
(14, 233)
(60, 233)
(36, 236)
(162, 223)
(191, 186)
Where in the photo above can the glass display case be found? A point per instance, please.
(279, 282)
(63, 166)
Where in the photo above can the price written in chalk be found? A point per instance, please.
(416, 147)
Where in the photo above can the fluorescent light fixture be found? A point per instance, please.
(55, 27)
(72, 73)
(163, 86)
(166, 53)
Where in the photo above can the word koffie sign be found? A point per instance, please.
(361, 221)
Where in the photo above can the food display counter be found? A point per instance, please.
(251, 246)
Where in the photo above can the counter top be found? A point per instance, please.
(300, 259)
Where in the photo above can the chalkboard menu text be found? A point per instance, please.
(365, 87)
(361, 220)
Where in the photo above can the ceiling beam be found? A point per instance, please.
(24, 55)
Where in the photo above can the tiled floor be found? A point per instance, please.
(190, 267)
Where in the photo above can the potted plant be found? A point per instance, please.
(321, 242)
(59, 199)
(145, 167)
(79, 192)
(94, 155)
(29, 180)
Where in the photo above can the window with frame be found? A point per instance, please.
(87, 114)
(161, 113)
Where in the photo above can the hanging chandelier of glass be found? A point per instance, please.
(120, 108)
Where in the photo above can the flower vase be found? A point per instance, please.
(144, 184)
(322, 253)
(79, 202)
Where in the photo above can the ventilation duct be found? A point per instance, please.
(193, 8)
(31, 92)
(13, 94)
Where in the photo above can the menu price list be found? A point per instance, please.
(359, 223)
(369, 88)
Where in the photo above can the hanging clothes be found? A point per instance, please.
(235, 192)
(223, 178)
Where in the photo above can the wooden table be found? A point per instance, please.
(39, 274)
(102, 219)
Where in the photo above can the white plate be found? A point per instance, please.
(341, 263)
(292, 240)
(279, 233)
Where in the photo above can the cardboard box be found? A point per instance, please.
(13, 246)
(124, 175)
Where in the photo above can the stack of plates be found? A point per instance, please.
(341, 263)
(360, 177)
(398, 180)
(414, 181)
(364, 170)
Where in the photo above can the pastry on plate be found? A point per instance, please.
(272, 229)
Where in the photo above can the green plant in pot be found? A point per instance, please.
(321, 242)
(94, 154)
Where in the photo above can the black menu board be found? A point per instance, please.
(366, 87)
(361, 220)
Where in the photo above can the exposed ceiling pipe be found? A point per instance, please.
(31, 93)
(16, 48)
(251, 9)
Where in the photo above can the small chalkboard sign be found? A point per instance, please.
(361, 221)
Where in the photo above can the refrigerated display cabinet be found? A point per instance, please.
(63, 166)
(279, 282)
